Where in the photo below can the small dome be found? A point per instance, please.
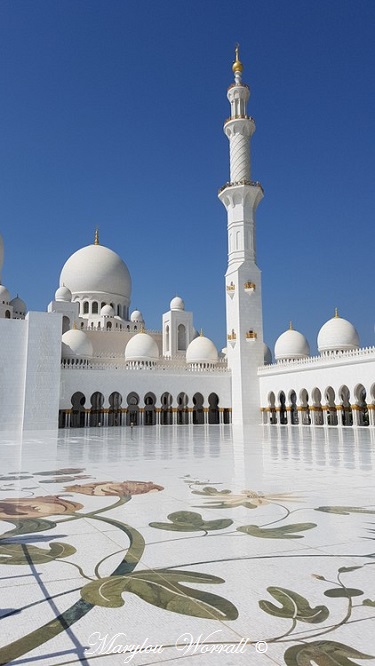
(267, 354)
(137, 317)
(337, 334)
(291, 345)
(19, 306)
(107, 311)
(142, 347)
(201, 350)
(4, 294)
(75, 344)
(177, 303)
(63, 294)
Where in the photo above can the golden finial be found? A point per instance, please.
(336, 313)
(201, 333)
(74, 326)
(290, 325)
(237, 65)
(142, 329)
(96, 239)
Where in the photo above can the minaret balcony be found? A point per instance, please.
(242, 117)
(238, 85)
(252, 183)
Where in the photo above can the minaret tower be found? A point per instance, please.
(241, 196)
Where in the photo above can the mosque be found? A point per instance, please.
(91, 361)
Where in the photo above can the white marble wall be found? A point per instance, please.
(13, 342)
(42, 377)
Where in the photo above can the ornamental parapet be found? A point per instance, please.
(157, 367)
(365, 354)
(227, 120)
(238, 85)
(253, 183)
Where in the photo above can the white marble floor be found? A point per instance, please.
(165, 545)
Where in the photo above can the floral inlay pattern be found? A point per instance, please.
(305, 627)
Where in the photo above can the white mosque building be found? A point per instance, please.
(90, 361)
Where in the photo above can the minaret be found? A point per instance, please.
(241, 197)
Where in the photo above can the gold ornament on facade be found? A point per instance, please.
(251, 335)
(249, 286)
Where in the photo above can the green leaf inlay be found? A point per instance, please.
(323, 653)
(293, 606)
(190, 521)
(163, 589)
(284, 532)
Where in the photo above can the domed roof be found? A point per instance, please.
(96, 269)
(201, 350)
(267, 356)
(18, 305)
(4, 294)
(337, 334)
(177, 303)
(107, 311)
(141, 347)
(63, 294)
(76, 343)
(291, 345)
(137, 316)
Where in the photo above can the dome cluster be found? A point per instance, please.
(336, 335)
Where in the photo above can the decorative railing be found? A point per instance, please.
(254, 183)
(325, 359)
(239, 118)
(158, 367)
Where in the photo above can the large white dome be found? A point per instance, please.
(96, 269)
(201, 350)
(76, 343)
(291, 345)
(337, 334)
(142, 347)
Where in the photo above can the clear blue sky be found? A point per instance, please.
(111, 114)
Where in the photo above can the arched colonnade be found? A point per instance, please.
(327, 407)
(134, 410)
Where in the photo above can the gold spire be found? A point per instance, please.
(337, 313)
(237, 65)
(201, 333)
(290, 325)
(96, 239)
(142, 329)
